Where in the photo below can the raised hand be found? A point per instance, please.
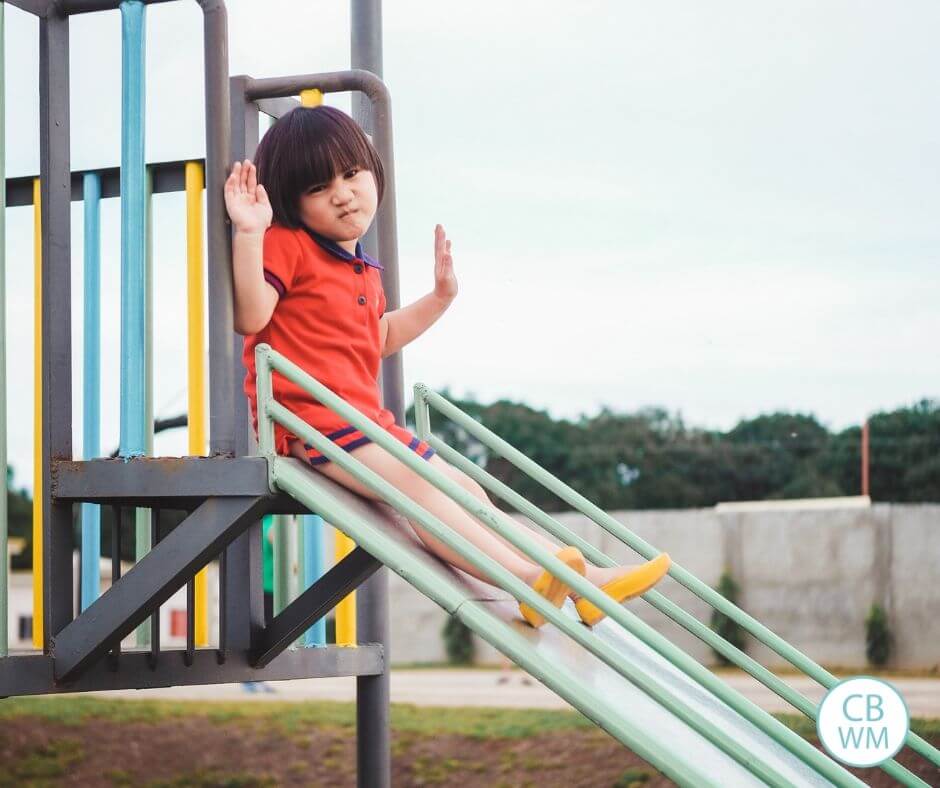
(445, 283)
(246, 200)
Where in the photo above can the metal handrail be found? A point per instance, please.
(491, 628)
(425, 397)
(270, 411)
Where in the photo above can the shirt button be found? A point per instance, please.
(357, 268)
(362, 300)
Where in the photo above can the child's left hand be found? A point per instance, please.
(445, 283)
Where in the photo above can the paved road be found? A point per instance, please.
(481, 688)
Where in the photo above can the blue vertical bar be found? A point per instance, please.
(133, 240)
(91, 377)
(313, 565)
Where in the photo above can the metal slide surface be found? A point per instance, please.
(635, 705)
(595, 679)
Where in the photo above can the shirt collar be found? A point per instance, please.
(337, 251)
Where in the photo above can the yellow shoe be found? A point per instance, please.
(633, 583)
(554, 590)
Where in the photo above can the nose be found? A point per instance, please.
(342, 194)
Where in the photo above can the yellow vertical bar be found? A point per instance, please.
(346, 609)
(343, 545)
(196, 358)
(37, 417)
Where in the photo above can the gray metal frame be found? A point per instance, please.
(314, 603)
(56, 300)
(373, 743)
(151, 582)
(249, 96)
(168, 176)
(33, 674)
(56, 188)
(227, 492)
(204, 486)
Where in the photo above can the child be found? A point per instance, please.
(304, 285)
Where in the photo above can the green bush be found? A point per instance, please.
(632, 778)
(458, 641)
(721, 624)
(877, 636)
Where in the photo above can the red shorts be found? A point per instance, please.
(350, 438)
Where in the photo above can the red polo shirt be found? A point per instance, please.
(326, 321)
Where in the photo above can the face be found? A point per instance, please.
(342, 209)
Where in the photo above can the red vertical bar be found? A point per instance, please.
(865, 458)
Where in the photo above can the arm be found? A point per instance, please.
(255, 299)
(250, 211)
(400, 327)
(403, 325)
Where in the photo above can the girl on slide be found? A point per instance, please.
(303, 284)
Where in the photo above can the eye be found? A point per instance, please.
(315, 189)
(353, 172)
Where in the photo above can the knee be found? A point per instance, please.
(457, 475)
(470, 485)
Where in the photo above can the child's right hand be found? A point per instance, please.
(246, 200)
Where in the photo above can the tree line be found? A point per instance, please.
(650, 459)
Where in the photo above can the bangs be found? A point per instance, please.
(307, 147)
(332, 155)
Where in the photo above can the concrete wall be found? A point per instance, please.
(809, 574)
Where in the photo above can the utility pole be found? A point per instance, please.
(865, 457)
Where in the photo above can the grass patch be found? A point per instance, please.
(294, 719)
(632, 778)
(42, 763)
(73, 710)
(211, 778)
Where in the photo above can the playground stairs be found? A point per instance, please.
(224, 499)
(622, 674)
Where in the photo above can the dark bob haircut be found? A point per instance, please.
(309, 146)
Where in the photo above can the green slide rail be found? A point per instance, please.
(286, 475)
(425, 397)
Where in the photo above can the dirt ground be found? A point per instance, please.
(244, 754)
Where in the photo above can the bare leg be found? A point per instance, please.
(595, 574)
(506, 553)
(437, 503)
(472, 486)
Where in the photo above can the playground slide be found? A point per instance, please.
(687, 745)
(560, 663)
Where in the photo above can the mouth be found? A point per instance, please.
(348, 213)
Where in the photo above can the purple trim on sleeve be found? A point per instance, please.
(275, 282)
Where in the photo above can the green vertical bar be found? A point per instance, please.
(293, 580)
(3, 358)
(141, 515)
(282, 567)
(293, 574)
(300, 585)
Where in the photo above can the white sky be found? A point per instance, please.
(724, 209)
